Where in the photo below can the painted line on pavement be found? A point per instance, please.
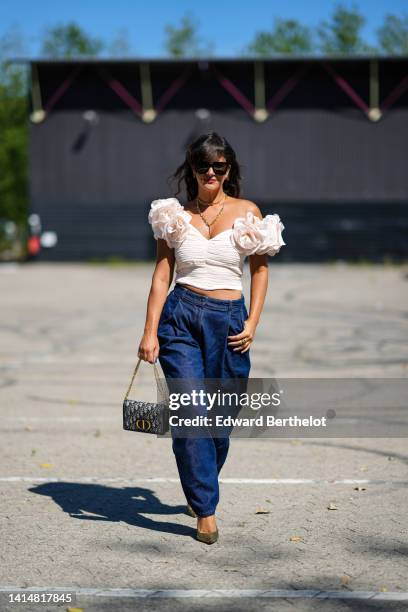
(254, 481)
(59, 419)
(217, 593)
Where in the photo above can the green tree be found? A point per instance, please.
(288, 37)
(393, 35)
(13, 130)
(342, 34)
(70, 40)
(183, 41)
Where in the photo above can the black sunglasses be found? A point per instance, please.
(218, 167)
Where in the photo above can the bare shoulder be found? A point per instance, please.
(248, 206)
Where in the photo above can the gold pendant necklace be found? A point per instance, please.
(216, 217)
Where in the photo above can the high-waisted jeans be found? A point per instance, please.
(192, 335)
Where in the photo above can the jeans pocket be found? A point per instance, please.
(170, 309)
(245, 313)
(236, 322)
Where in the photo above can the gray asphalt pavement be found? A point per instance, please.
(99, 511)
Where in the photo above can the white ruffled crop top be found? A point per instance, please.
(215, 263)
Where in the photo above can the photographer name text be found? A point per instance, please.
(260, 421)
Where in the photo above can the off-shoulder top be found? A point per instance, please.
(215, 263)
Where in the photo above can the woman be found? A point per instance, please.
(204, 329)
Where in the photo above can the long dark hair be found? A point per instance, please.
(206, 148)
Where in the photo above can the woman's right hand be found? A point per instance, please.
(149, 347)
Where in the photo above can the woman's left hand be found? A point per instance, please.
(244, 339)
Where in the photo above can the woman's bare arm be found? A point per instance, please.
(161, 282)
(258, 265)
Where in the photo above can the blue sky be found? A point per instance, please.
(229, 24)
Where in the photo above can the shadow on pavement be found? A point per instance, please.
(94, 502)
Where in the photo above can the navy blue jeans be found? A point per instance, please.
(192, 335)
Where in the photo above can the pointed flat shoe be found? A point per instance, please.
(207, 538)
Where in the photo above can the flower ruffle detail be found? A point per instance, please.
(252, 235)
(169, 220)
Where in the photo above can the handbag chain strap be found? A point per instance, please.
(156, 374)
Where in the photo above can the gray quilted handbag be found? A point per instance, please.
(146, 417)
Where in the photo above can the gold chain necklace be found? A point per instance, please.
(217, 215)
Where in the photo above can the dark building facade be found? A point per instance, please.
(322, 142)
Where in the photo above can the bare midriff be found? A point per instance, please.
(218, 294)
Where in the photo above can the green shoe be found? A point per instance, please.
(190, 511)
(207, 538)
